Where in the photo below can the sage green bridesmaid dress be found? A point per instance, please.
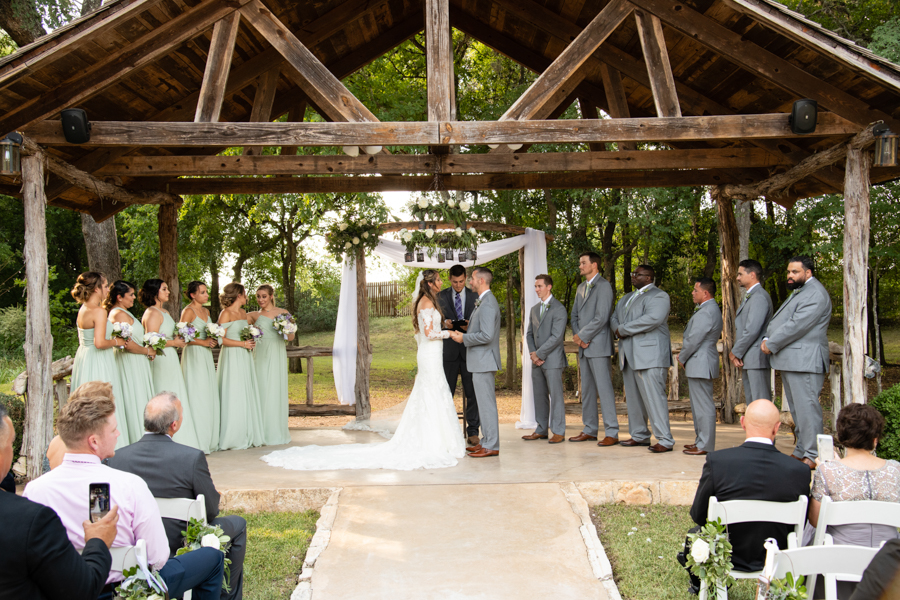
(272, 378)
(203, 389)
(137, 380)
(239, 394)
(167, 377)
(93, 364)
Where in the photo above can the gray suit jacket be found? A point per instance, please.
(590, 318)
(170, 470)
(546, 337)
(798, 332)
(699, 354)
(482, 341)
(750, 323)
(646, 324)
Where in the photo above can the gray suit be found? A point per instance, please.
(172, 470)
(590, 321)
(750, 323)
(482, 343)
(546, 337)
(701, 365)
(797, 335)
(645, 356)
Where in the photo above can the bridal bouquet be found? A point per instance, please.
(140, 584)
(122, 330)
(251, 332)
(185, 331)
(214, 330)
(205, 535)
(155, 340)
(285, 325)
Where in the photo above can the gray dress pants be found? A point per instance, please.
(802, 391)
(645, 396)
(757, 384)
(484, 384)
(703, 410)
(596, 382)
(549, 401)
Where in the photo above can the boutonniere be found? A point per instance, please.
(696, 308)
(478, 303)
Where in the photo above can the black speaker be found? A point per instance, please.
(76, 126)
(803, 116)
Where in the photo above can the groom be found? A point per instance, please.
(482, 343)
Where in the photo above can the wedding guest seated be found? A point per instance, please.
(38, 560)
(88, 428)
(186, 476)
(860, 475)
(755, 470)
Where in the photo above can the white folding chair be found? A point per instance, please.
(126, 557)
(183, 509)
(813, 560)
(745, 511)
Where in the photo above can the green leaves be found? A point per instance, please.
(199, 535)
(710, 556)
(787, 588)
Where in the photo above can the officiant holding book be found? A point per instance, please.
(457, 303)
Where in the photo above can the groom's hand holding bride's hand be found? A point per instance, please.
(456, 336)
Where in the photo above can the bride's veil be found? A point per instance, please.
(384, 422)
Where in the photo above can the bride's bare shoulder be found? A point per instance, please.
(425, 303)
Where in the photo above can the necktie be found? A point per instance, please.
(589, 286)
(459, 308)
(631, 300)
(543, 309)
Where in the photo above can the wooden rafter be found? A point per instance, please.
(439, 57)
(218, 63)
(616, 100)
(662, 82)
(263, 102)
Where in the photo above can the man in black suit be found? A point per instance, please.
(755, 470)
(172, 470)
(457, 303)
(38, 560)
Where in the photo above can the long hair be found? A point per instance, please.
(424, 291)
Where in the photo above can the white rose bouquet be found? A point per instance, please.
(155, 340)
(204, 535)
(285, 325)
(214, 330)
(251, 332)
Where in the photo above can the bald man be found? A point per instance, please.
(755, 470)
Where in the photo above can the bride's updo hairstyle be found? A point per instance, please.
(428, 277)
(149, 292)
(116, 291)
(230, 293)
(85, 285)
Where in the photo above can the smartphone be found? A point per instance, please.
(98, 495)
(826, 447)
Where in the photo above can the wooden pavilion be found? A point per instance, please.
(168, 84)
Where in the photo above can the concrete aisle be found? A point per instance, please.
(484, 542)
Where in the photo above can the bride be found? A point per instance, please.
(428, 435)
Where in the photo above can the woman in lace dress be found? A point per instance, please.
(428, 436)
(860, 475)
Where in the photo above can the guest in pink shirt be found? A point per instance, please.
(87, 426)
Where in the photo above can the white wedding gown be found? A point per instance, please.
(428, 436)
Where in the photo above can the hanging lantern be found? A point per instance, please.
(473, 254)
(422, 225)
(462, 256)
(408, 257)
(886, 143)
(420, 256)
(449, 253)
(11, 154)
(440, 256)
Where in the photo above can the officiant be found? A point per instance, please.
(457, 303)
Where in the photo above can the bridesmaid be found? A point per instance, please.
(134, 363)
(271, 369)
(166, 368)
(200, 371)
(238, 392)
(95, 360)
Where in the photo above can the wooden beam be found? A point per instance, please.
(288, 164)
(439, 61)
(479, 225)
(616, 99)
(856, 265)
(311, 75)
(218, 63)
(553, 82)
(321, 410)
(662, 82)
(262, 103)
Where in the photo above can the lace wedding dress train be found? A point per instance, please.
(427, 437)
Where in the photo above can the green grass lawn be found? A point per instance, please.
(276, 547)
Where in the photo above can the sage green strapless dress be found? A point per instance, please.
(272, 378)
(167, 377)
(203, 389)
(137, 380)
(239, 394)
(93, 364)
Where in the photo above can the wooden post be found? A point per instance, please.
(856, 264)
(38, 341)
(309, 380)
(363, 348)
(168, 256)
(729, 240)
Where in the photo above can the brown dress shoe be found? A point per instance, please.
(658, 448)
(634, 442)
(608, 441)
(534, 436)
(484, 452)
(473, 440)
(555, 439)
(582, 437)
(694, 451)
(691, 446)
(475, 448)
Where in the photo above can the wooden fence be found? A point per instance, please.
(388, 299)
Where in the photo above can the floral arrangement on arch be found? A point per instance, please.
(344, 237)
(431, 239)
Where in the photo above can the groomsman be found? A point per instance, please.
(750, 323)
(640, 321)
(457, 303)
(545, 338)
(700, 359)
(590, 327)
(796, 341)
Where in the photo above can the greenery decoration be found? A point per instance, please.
(710, 557)
(888, 404)
(458, 237)
(136, 587)
(345, 237)
(205, 535)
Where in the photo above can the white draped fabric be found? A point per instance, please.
(535, 245)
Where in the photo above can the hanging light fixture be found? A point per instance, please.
(11, 154)
(886, 145)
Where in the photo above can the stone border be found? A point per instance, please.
(675, 493)
(319, 542)
(596, 554)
